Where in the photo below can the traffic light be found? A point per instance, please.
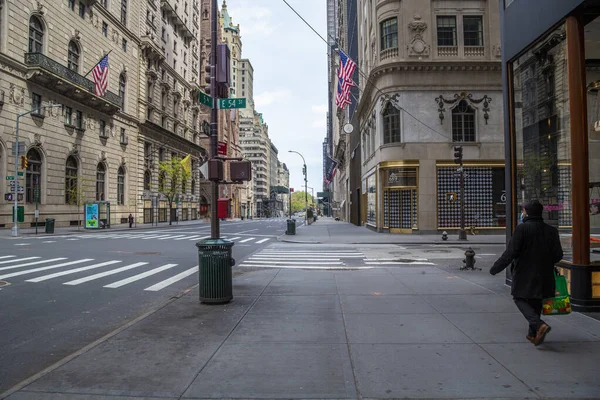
(304, 170)
(458, 155)
(24, 162)
(207, 78)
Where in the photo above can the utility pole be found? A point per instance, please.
(458, 159)
(214, 221)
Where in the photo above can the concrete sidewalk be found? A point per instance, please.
(327, 230)
(404, 332)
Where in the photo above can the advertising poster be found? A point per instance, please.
(91, 216)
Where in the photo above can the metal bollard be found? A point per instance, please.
(469, 260)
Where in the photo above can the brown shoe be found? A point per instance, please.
(530, 338)
(541, 334)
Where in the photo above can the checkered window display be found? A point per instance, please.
(565, 213)
(398, 209)
(478, 197)
(386, 202)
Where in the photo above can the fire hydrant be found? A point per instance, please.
(444, 235)
(469, 260)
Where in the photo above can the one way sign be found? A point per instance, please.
(451, 197)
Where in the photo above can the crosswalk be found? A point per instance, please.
(305, 259)
(45, 269)
(145, 236)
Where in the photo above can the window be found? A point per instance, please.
(121, 186)
(243, 79)
(33, 176)
(162, 177)
(147, 180)
(36, 103)
(124, 12)
(389, 34)
(81, 9)
(473, 30)
(161, 154)
(162, 36)
(100, 181)
(68, 116)
(79, 121)
(175, 46)
(104, 3)
(102, 128)
(36, 35)
(104, 29)
(124, 45)
(122, 88)
(193, 187)
(71, 194)
(123, 137)
(463, 123)
(446, 30)
(72, 5)
(391, 125)
(185, 58)
(175, 65)
(243, 72)
(73, 62)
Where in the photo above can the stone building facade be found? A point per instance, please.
(432, 81)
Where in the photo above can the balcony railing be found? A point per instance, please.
(474, 51)
(56, 73)
(448, 51)
(389, 53)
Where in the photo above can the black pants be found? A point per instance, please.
(531, 310)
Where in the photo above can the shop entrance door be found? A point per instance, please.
(398, 207)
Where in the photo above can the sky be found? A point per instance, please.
(290, 78)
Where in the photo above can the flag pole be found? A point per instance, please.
(106, 55)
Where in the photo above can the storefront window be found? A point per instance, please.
(542, 128)
(400, 204)
(372, 200)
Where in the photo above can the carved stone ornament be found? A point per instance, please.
(76, 35)
(41, 9)
(102, 156)
(497, 49)
(51, 111)
(469, 99)
(417, 46)
(385, 100)
(123, 161)
(17, 94)
(74, 149)
(1, 98)
(37, 140)
(90, 123)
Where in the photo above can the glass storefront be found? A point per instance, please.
(542, 129)
(400, 203)
(372, 199)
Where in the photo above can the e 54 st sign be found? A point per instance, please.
(231, 103)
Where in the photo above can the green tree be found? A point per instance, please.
(172, 181)
(75, 194)
(298, 202)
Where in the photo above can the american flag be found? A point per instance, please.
(345, 82)
(347, 67)
(100, 74)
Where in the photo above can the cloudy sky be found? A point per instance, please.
(290, 78)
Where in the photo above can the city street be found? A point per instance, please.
(64, 291)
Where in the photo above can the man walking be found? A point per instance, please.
(533, 251)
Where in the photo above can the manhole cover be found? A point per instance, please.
(4, 283)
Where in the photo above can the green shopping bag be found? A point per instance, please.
(561, 302)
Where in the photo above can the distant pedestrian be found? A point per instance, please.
(532, 252)
(130, 219)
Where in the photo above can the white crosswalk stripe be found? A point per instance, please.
(32, 263)
(3, 257)
(246, 240)
(19, 259)
(172, 237)
(72, 271)
(302, 259)
(137, 277)
(262, 240)
(152, 236)
(172, 280)
(103, 274)
(29, 271)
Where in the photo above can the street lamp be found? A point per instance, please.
(305, 187)
(15, 229)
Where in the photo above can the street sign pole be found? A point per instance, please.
(462, 234)
(214, 221)
(15, 229)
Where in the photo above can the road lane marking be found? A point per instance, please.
(236, 238)
(257, 261)
(103, 274)
(172, 237)
(306, 267)
(18, 259)
(29, 271)
(137, 277)
(173, 279)
(156, 237)
(33, 263)
(49, 241)
(263, 240)
(308, 256)
(71, 271)
(22, 244)
(188, 237)
(247, 240)
(200, 238)
(398, 263)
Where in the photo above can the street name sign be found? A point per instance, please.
(205, 99)
(10, 178)
(231, 103)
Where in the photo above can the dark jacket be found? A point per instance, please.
(535, 247)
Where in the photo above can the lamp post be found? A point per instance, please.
(305, 187)
(15, 229)
(312, 191)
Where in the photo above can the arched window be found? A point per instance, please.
(463, 123)
(122, 88)
(391, 124)
(36, 35)
(33, 178)
(121, 186)
(147, 180)
(162, 177)
(71, 192)
(193, 187)
(73, 62)
(100, 182)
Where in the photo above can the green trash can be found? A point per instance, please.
(215, 275)
(291, 227)
(50, 225)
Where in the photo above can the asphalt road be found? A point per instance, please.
(66, 291)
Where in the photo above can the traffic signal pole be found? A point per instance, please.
(458, 158)
(214, 221)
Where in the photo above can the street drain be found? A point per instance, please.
(4, 283)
